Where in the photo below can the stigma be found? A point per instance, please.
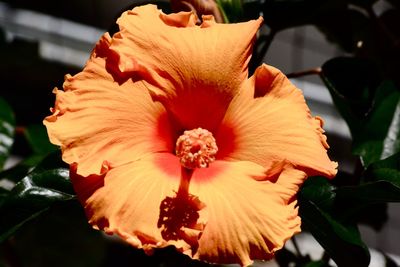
(196, 148)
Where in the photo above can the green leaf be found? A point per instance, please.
(379, 134)
(3, 194)
(232, 10)
(352, 83)
(387, 170)
(20, 170)
(37, 137)
(61, 237)
(7, 129)
(38, 140)
(381, 185)
(320, 191)
(370, 193)
(371, 108)
(33, 195)
(51, 165)
(340, 239)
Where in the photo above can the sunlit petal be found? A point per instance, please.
(270, 124)
(95, 119)
(194, 70)
(247, 218)
(126, 200)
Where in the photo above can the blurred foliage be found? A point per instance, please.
(37, 198)
(232, 10)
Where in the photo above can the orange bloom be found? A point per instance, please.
(170, 142)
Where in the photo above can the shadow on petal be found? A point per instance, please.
(179, 219)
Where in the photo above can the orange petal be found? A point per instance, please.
(270, 124)
(247, 219)
(96, 119)
(195, 70)
(244, 218)
(126, 200)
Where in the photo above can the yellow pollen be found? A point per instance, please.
(196, 148)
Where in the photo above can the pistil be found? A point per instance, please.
(196, 148)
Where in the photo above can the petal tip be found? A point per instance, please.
(181, 19)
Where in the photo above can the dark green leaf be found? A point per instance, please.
(285, 257)
(373, 215)
(372, 112)
(51, 161)
(38, 139)
(3, 194)
(19, 171)
(61, 237)
(340, 239)
(282, 14)
(387, 170)
(350, 210)
(7, 129)
(379, 134)
(370, 193)
(232, 9)
(352, 83)
(382, 184)
(33, 195)
(320, 191)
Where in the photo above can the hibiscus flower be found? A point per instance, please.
(171, 143)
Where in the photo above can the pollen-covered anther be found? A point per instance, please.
(196, 148)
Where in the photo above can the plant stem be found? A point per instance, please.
(296, 247)
(316, 71)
